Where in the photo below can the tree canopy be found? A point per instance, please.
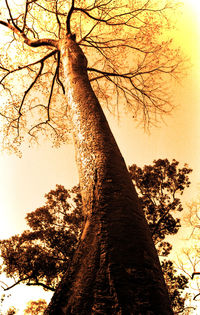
(130, 60)
(40, 254)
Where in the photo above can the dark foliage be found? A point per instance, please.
(159, 187)
(39, 255)
(176, 284)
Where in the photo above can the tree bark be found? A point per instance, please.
(115, 269)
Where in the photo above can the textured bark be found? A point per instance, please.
(115, 269)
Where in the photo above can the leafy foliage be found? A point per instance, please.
(35, 307)
(176, 284)
(159, 187)
(40, 255)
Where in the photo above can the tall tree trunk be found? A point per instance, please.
(115, 269)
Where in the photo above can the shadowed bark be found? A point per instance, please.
(115, 269)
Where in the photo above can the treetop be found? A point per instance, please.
(129, 61)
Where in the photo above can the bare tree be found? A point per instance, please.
(192, 218)
(57, 53)
(190, 262)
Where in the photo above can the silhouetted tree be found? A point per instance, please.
(176, 284)
(160, 186)
(40, 255)
(115, 268)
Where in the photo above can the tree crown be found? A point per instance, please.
(129, 61)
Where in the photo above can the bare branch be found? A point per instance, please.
(107, 22)
(27, 66)
(57, 76)
(118, 19)
(50, 11)
(11, 17)
(36, 283)
(13, 285)
(25, 15)
(26, 93)
(15, 123)
(69, 18)
(195, 274)
(30, 42)
(194, 298)
(58, 19)
(47, 122)
(105, 73)
(108, 45)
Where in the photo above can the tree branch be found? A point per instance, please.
(11, 17)
(15, 123)
(47, 122)
(50, 11)
(13, 285)
(194, 274)
(112, 74)
(26, 40)
(108, 21)
(37, 283)
(194, 298)
(57, 76)
(69, 18)
(27, 66)
(25, 15)
(58, 20)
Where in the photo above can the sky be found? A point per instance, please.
(24, 181)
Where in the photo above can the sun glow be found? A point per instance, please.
(189, 29)
(194, 4)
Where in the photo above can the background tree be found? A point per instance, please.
(106, 30)
(40, 255)
(160, 186)
(35, 307)
(189, 262)
(176, 283)
(192, 218)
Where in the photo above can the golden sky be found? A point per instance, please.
(23, 182)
